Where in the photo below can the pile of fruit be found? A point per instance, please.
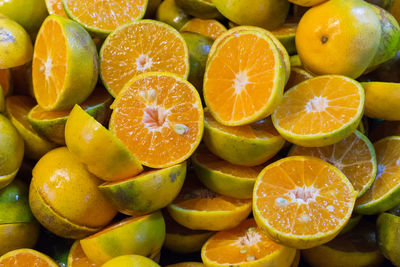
(199, 133)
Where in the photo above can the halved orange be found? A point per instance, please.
(244, 79)
(210, 28)
(320, 111)
(5, 81)
(148, 45)
(103, 17)
(78, 258)
(354, 156)
(55, 7)
(302, 201)
(384, 194)
(199, 208)
(65, 64)
(245, 245)
(26, 258)
(159, 117)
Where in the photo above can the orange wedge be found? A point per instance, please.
(148, 46)
(302, 201)
(26, 258)
(354, 156)
(159, 117)
(55, 7)
(103, 17)
(244, 79)
(245, 245)
(210, 28)
(320, 111)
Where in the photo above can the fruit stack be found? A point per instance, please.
(199, 133)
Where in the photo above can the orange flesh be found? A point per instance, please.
(19, 107)
(297, 76)
(210, 28)
(352, 156)
(159, 118)
(237, 83)
(106, 15)
(56, 7)
(79, 259)
(5, 76)
(49, 63)
(25, 259)
(387, 178)
(209, 160)
(241, 244)
(285, 29)
(262, 129)
(148, 46)
(319, 105)
(303, 196)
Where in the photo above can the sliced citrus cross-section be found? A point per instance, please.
(354, 156)
(26, 258)
(159, 117)
(148, 46)
(55, 7)
(210, 28)
(302, 201)
(245, 245)
(244, 79)
(320, 111)
(77, 258)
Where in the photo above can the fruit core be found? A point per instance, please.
(154, 118)
(241, 81)
(144, 63)
(317, 104)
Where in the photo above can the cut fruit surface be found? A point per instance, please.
(77, 258)
(239, 88)
(159, 117)
(354, 156)
(385, 191)
(148, 46)
(26, 258)
(55, 7)
(245, 245)
(302, 201)
(210, 28)
(320, 111)
(105, 16)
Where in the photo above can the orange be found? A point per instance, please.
(210, 28)
(245, 245)
(5, 81)
(354, 156)
(333, 38)
(307, 2)
(104, 17)
(26, 258)
(286, 34)
(320, 111)
(244, 79)
(159, 117)
(55, 7)
(381, 100)
(302, 201)
(67, 75)
(148, 46)
(77, 258)
(297, 75)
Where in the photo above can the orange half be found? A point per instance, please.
(55, 7)
(210, 28)
(26, 258)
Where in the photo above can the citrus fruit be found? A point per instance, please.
(149, 46)
(332, 38)
(104, 17)
(381, 100)
(18, 235)
(17, 108)
(307, 2)
(296, 260)
(198, 208)
(382, 195)
(64, 197)
(187, 264)
(129, 261)
(268, 14)
(357, 248)
(139, 235)
(51, 124)
(171, 14)
(204, 9)
(159, 117)
(320, 111)
(302, 201)
(210, 28)
(151, 8)
(223, 177)
(77, 258)
(286, 34)
(246, 145)
(28, 13)
(85, 137)
(199, 47)
(242, 89)
(245, 245)
(67, 75)
(16, 46)
(11, 151)
(388, 236)
(26, 258)
(6, 81)
(182, 240)
(297, 75)
(55, 7)
(295, 61)
(147, 192)
(354, 156)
